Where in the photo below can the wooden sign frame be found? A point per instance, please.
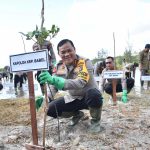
(29, 62)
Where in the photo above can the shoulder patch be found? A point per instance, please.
(83, 72)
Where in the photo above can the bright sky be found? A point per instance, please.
(88, 23)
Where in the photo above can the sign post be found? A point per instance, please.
(32, 108)
(114, 74)
(146, 78)
(114, 80)
(27, 62)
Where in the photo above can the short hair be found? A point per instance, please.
(62, 42)
(110, 57)
(147, 46)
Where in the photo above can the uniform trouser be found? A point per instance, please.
(1, 86)
(18, 79)
(144, 72)
(92, 98)
(108, 86)
(11, 76)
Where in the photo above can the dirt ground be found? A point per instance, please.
(125, 126)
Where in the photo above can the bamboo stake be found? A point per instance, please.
(45, 113)
(114, 80)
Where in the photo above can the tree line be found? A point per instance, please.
(128, 55)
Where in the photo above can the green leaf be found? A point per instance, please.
(22, 33)
(30, 34)
(41, 34)
(39, 102)
(28, 37)
(57, 30)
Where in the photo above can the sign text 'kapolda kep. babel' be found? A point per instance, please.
(29, 61)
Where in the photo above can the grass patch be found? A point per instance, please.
(15, 112)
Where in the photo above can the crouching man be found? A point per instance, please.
(124, 85)
(74, 75)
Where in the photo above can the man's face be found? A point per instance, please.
(109, 64)
(67, 53)
(147, 49)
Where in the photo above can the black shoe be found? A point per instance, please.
(76, 117)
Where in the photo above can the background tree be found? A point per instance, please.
(128, 55)
(128, 50)
(101, 55)
(39, 35)
(119, 61)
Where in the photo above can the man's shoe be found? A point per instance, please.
(76, 117)
(95, 127)
(95, 119)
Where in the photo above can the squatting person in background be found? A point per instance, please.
(121, 86)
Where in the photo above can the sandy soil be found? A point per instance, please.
(124, 127)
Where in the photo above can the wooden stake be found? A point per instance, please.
(32, 108)
(45, 113)
(114, 80)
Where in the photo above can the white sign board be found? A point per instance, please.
(29, 61)
(145, 78)
(113, 74)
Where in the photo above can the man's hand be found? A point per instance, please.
(58, 82)
(45, 77)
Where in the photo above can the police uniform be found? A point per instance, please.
(81, 89)
(145, 62)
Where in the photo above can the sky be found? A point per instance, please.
(90, 24)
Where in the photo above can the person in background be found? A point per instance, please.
(52, 58)
(1, 76)
(11, 77)
(74, 75)
(124, 62)
(122, 85)
(1, 85)
(130, 69)
(18, 78)
(98, 68)
(144, 62)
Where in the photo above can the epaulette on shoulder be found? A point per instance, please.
(83, 58)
